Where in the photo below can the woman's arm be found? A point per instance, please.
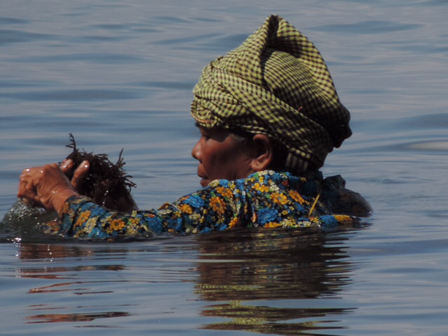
(209, 209)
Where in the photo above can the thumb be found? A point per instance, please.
(66, 166)
(80, 174)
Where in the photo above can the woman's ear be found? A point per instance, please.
(263, 152)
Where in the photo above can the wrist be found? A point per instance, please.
(60, 197)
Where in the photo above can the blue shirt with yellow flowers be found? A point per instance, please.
(265, 199)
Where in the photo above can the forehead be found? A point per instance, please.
(214, 130)
(216, 133)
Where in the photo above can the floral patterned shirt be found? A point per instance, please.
(264, 199)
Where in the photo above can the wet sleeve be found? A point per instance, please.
(210, 209)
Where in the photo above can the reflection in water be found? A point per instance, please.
(52, 318)
(259, 281)
(272, 266)
(49, 252)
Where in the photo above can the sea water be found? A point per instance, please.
(119, 74)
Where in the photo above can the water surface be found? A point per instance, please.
(120, 74)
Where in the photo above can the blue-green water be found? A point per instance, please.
(119, 74)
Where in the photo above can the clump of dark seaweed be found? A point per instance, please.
(106, 183)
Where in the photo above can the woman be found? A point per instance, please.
(268, 114)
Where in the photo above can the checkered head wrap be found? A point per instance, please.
(276, 83)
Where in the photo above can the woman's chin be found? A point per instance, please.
(205, 182)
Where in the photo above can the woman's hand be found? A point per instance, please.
(79, 175)
(46, 186)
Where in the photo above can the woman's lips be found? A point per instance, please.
(204, 180)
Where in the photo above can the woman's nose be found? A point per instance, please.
(196, 152)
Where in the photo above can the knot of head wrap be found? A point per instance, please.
(276, 83)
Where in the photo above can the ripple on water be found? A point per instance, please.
(74, 95)
(8, 36)
(369, 27)
(430, 145)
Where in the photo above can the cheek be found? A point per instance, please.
(214, 159)
(222, 164)
(208, 156)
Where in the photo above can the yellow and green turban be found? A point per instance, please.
(276, 83)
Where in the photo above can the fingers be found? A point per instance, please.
(66, 166)
(30, 198)
(27, 189)
(80, 174)
(25, 182)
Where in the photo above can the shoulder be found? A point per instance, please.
(258, 178)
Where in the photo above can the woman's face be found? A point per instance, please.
(221, 156)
